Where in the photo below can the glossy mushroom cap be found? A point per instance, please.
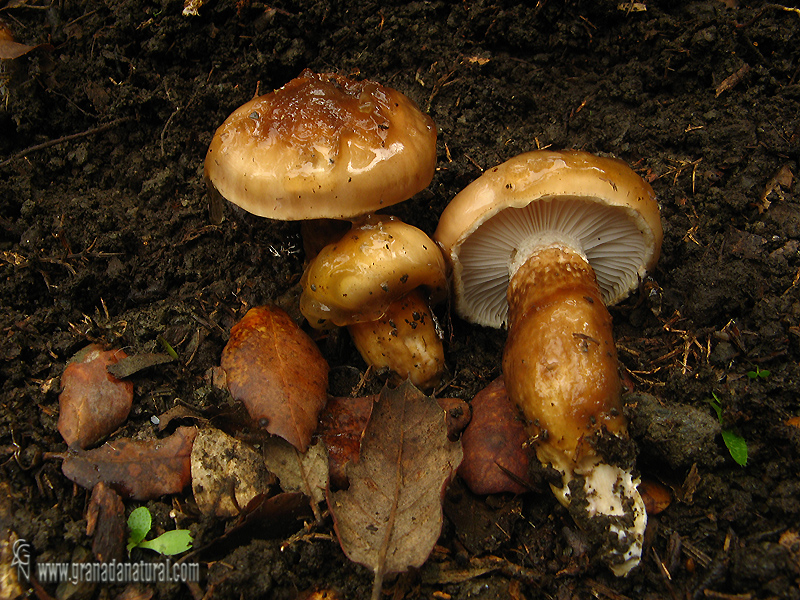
(599, 204)
(322, 146)
(380, 260)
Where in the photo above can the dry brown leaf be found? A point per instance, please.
(93, 403)
(105, 522)
(11, 49)
(391, 515)
(226, 473)
(783, 178)
(656, 496)
(306, 472)
(267, 517)
(494, 444)
(342, 423)
(278, 372)
(141, 470)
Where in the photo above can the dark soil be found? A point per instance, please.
(105, 237)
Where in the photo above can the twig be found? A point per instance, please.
(64, 139)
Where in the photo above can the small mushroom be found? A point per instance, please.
(372, 281)
(542, 243)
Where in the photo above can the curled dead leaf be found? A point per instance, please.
(105, 522)
(278, 372)
(136, 469)
(391, 515)
(92, 403)
(341, 425)
(496, 457)
(656, 496)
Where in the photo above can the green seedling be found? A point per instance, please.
(167, 348)
(758, 373)
(169, 542)
(736, 444)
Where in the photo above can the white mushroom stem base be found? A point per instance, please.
(560, 367)
(604, 500)
(405, 340)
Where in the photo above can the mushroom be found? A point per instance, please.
(322, 146)
(327, 147)
(542, 243)
(372, 281)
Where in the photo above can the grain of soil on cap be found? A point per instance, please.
(105, 237)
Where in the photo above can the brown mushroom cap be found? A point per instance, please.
(322, 146)
(378, 261)
(599, 204)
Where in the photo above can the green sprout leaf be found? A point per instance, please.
(167, 348)
(758, 373)
(735, 443)
(169, 542)
(139, 524)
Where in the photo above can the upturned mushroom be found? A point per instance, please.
(542, 243)
(328, 147)
(377, 280)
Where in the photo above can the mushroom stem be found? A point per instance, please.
(560, 367)
(406, 340)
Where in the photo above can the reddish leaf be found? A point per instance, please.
(342, 423)
(494, 444)
(656, 496)
(93, 403)
(391, 515)
(278, 372)
(141, 470)
(105, 521)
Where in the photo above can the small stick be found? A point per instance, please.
(64, 139)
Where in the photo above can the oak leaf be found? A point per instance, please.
(391, 515)
(92, 403)
(141, 470)
(278, 372)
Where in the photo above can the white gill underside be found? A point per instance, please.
(609, 239)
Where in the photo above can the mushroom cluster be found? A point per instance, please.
(542, 243)
(328, 147)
